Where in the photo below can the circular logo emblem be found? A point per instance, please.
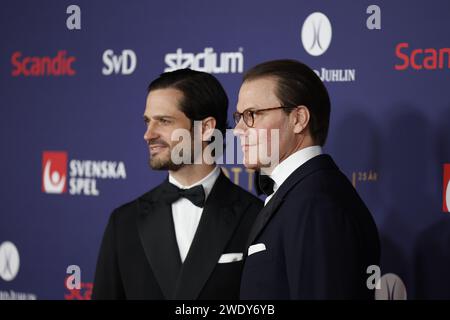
(391, 288)
(316, 34)
(9, 261)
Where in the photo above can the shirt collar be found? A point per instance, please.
(207, 182)
(285, 168)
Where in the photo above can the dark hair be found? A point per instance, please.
(297, 84)
(203, 95)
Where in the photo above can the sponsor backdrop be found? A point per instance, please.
(73, 88)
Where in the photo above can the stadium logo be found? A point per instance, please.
(82, 176)
(446, 189)
(60, 65)
(207, 61)
(9, 261)
(316, 34)
(316, 37)
(391, 288)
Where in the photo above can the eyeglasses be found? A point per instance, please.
(249, 115)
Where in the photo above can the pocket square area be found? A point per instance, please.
(256, 248)
(230, 257)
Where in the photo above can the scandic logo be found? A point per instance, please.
(82, 177)
(422, 59)
(60, 65)
(446, 188)
(54, 172)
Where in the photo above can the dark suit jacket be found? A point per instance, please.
(139, 256)
(319, 238)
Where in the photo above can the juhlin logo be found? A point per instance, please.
(316, 38)
(316, 34)
(9, 261)
(54, 171)
(446, 189)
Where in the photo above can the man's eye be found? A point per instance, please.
(164, 121)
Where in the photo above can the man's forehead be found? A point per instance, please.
(166, 95)
(163, 102)
(257, 94)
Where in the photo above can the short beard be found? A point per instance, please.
(168, 164)
(161, 164)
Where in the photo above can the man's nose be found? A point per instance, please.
(150, 133)
(240, 128)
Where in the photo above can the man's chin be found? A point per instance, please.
(259, 166)
(157, 163)
(251, 165)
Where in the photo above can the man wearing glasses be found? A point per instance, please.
(314, 238)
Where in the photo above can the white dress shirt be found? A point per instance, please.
(286, 167)
(186, 215)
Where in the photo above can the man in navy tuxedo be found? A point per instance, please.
(315, 237)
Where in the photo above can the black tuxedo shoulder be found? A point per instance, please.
(241, 194)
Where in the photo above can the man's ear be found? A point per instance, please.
(208, 126)
(301, 118)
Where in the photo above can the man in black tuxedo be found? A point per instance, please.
(315, 237)
(185, 238)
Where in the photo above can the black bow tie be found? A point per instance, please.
(266, 184)
(172, 193)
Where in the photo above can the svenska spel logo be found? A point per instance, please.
(54, 172)
(77, 177)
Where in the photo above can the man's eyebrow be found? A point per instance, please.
(250, 108)
(159, 117)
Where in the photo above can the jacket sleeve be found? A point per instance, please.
(323, 252)
(108, 282)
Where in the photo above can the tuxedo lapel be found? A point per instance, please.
(317, 163)
(262, 218)
(157, 235)
(219, 219)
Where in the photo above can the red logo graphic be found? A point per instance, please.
(60, 65)
(446, 193)
(84, 293)
(54, 171)
(418, 59)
